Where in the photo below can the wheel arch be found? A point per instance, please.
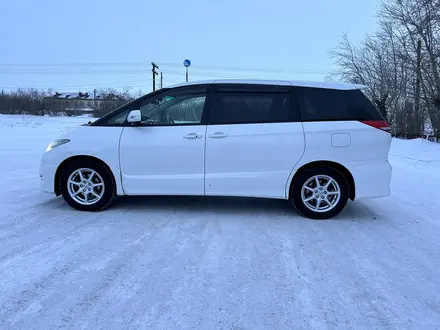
(76, 158)
(341, 168)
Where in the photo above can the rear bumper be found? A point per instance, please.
(371, 178)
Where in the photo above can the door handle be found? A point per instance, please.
(218, 135)
(192, 136)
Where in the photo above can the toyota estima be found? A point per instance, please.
(314, 144)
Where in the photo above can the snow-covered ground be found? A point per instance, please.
(195, 263)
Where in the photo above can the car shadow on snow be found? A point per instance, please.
(227, 205)
(202, 204)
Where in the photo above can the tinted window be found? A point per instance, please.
(250, 107)
(329, 104)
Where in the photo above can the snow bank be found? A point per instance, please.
(20, 124)
(34, 121)
(418, 149)
(418, 155)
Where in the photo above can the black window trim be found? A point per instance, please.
(124, 107)
(251, 88)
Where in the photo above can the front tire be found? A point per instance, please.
(320, 192)
(87, 185)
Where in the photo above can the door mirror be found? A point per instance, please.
(134, 116)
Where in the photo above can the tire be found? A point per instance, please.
(305, 193)
(102, 184)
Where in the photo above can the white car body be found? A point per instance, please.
(253, 160)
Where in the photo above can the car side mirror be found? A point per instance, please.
(134, 116)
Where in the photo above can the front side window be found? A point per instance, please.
(182, 106)
(250, 108)
(174, 110)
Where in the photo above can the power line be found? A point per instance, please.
(70, 72)
(232, 68)
(137, 68)
(195, 70)
(73, 64)
(126, 65)
(195, 73)
(72, 88)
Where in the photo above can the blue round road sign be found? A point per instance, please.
(186, 63)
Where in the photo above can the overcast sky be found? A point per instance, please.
(50, 43)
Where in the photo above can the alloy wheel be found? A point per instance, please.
(85, 186)
(320, 193)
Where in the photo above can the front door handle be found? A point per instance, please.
(218, 135)
(192, 136)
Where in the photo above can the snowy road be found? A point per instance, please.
(194, 263)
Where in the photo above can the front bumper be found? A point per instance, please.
(48, 167)
(47, 179)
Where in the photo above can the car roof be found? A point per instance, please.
(296, 83)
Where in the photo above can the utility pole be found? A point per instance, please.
(94, 99)
(418, 81)
(161, 80)
(155, 66)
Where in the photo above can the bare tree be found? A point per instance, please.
(109, 99)
(417, 23)
(21, 101)
(399, 63)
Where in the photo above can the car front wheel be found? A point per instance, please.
(320, 192)
(87, 185)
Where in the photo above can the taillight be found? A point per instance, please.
(380, 124)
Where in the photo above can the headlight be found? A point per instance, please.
(57, 143)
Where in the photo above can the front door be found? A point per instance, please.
(254, 140)
(165, 154)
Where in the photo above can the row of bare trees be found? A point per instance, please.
(36, 102)
(22, 101)
(401, 65)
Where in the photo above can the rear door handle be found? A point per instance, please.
(192, 136)
(218, 135)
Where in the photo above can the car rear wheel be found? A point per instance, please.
(87, 185)
(320, 192)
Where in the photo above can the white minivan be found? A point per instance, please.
(311, 143)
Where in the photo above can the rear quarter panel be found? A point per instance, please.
(364, 151)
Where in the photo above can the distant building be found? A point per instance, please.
(72, 103)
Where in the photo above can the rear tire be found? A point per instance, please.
(319, 192)
(87, 185)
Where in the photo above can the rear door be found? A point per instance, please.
(254, 139)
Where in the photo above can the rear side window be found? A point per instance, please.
(319, 104)
(250, 108)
